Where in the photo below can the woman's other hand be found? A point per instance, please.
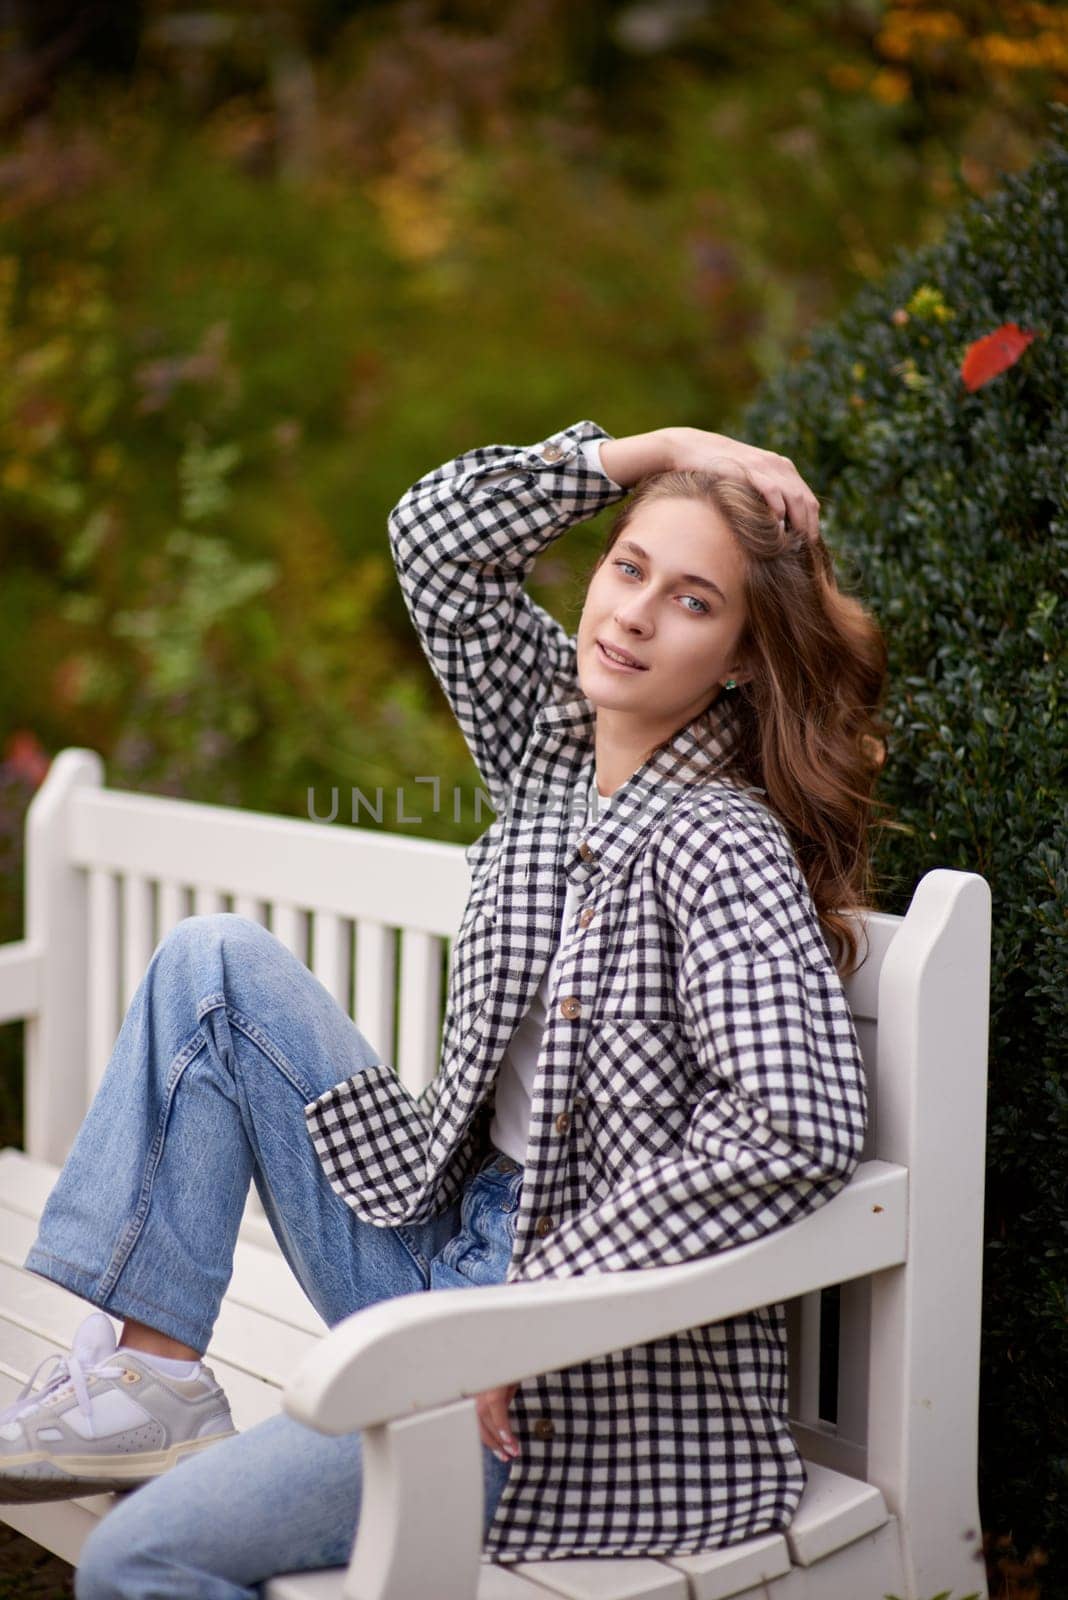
(494, 1425)
(787, 493)
(688, 449)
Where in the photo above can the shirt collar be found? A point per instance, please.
(693, 756)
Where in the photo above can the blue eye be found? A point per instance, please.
(702, 608)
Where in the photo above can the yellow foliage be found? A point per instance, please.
(891, 86)
(1047, 50)
(414, 199)
(904, 31)
(928, 304)
(1044, 16)
(843, 75)
(907, 32)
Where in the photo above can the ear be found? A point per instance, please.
(743, 668)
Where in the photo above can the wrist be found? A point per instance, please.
(629, 459)
(688, 449)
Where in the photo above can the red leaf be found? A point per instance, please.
(992, 353)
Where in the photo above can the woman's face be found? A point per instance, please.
(668, 596)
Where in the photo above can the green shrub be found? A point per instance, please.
(950, 507)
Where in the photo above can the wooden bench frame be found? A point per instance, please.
(891, 1505)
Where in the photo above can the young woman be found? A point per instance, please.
(647, 1055)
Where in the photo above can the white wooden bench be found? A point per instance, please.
(888, 1429)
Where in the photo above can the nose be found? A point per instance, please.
(635, 615)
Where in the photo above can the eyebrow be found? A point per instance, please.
(685, 577)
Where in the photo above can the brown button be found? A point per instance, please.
(563, 1122)
(586, 917)
(552, 452)
(570, 1007)
(543, 1226)
(544, 1428)
(586, 853)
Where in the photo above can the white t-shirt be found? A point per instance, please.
(510, 1127)
(515, 1076)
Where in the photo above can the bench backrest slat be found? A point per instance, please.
(376, 966)
(405, 882)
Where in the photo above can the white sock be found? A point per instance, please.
(166, 1364)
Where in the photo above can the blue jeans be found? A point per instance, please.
(226, 1040)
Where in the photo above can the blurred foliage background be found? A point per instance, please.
(262, 265)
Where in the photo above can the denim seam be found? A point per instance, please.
(417, 1255)
(192, 1048)
(61, 1261)
(81, 1283)
(264, 1042)
(128, 1238)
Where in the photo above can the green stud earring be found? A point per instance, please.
(730, 684)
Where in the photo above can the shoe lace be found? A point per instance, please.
(69, 1371)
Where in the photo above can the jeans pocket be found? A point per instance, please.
(481, 1249)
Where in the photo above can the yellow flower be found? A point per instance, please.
(928, 304)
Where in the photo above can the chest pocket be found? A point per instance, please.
(638, 1061)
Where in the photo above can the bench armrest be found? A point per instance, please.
(20, 980)
(422, 1351)
(405, 1371)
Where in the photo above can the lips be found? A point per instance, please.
(621, 659)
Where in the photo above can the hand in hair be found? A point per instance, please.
(777, 479)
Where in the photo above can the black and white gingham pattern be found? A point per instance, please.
(710, 1069)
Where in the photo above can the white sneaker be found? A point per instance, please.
(103, 1420)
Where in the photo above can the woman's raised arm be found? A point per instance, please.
(464, 540)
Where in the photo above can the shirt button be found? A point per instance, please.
(543, 1226)
(586, 917)
(570, 1007)
(586, 853)
(544, 1428)
(551, 452)
(563, 1122)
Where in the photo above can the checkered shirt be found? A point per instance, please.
(698, 1040)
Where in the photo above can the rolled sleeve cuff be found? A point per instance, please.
(591, 449)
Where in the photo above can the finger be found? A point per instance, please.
(803, 511)
(773, 495)
(495, 1426)
(814, 518)
(488, 1433)
(810, 513)
(500, 1421)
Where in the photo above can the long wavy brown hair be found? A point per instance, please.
(810, 729)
